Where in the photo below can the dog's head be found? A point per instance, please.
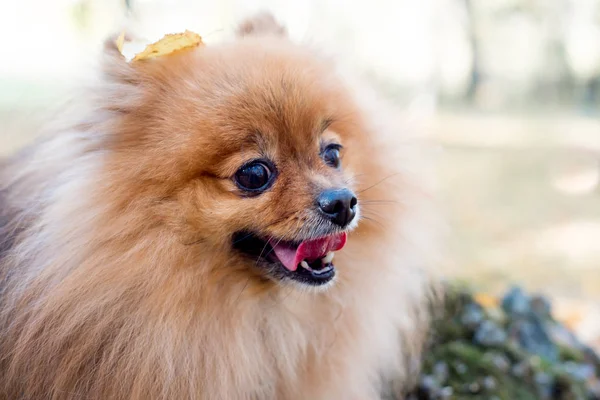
(246, 147)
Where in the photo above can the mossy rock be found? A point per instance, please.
(508, 352)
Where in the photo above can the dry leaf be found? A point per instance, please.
(120, 42)
(486, 301)
(169, 44)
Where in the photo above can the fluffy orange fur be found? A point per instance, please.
(117, 275)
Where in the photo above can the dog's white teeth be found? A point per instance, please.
(323, 271)
(304, 265)
(328, 258)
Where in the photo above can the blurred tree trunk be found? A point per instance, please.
(591, 94)
(475, 65)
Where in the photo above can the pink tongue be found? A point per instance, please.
(309, 250)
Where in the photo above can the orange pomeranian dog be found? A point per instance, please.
(229, 222)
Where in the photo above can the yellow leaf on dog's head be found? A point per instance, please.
(170, 44)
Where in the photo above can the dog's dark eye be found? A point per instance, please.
(254, 177)
(331, 155)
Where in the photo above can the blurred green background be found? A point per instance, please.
(510, 89)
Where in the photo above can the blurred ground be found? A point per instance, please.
(523, 199)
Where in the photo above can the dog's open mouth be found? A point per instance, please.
(308, 261)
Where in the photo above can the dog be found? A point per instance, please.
(237, 221)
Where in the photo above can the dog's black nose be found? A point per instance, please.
(338, 205)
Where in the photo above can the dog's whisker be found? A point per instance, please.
(372, 213)
(379, 223)
(377, 183)
(272, 248)
(376, 202)
(242, 291)
(263, 250)
(242, 239)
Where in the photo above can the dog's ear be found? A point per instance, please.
(115, 67)
(263, 23)
(119, 90)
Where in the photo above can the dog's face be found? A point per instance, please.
(250, 144)
(292, 180)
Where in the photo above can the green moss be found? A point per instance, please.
(478, 366)
(571, 354)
